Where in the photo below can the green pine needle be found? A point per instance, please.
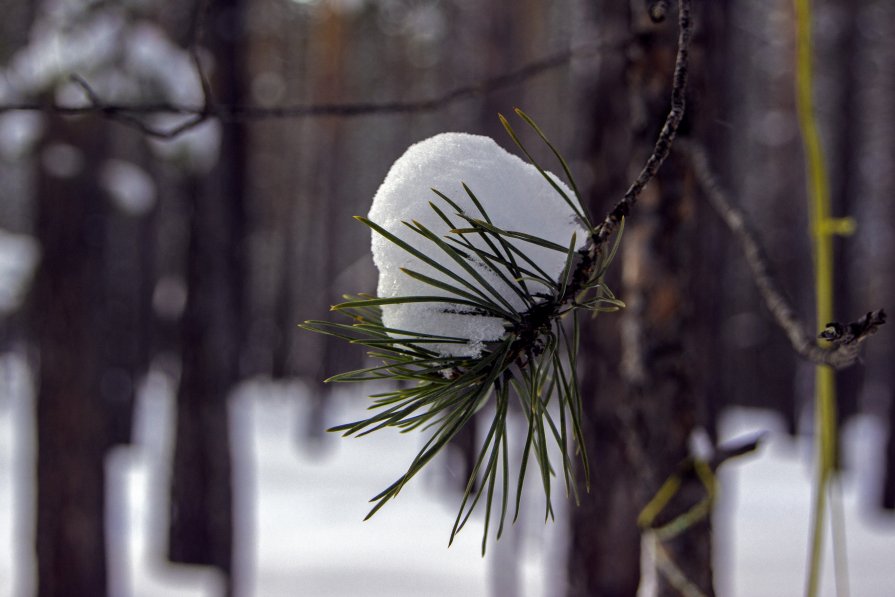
(532, 369)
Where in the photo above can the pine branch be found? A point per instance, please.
(845, 340)
(669, 129)
(535, 361)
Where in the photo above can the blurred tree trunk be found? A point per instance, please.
(887, 499)
(645, 404)
(844, 123)
(127, 296)
(201, 518)
(711, 77)
(759, 368)
(604, 551)
(658, 323)
(66, 299)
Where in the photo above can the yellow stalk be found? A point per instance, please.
(823, 227)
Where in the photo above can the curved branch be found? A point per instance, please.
(669, 129)
(845, 340)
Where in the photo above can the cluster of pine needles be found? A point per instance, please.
(532, 368)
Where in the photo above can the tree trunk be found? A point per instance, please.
(71, 556)
(644, 404)
(658, 326)
(604, 551)
(127, 286)
(844, 124)
(201, 518)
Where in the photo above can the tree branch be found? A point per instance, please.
(669, 129)
(845, 340)
(133, 115)
(129, 116)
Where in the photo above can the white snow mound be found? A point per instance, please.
(513, 193)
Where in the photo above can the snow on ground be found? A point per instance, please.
(305, 535)
(765, 506)
(18, 259)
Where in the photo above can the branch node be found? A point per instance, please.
(845, 339)
(854, 332)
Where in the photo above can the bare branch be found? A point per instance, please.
(125, 117)
(668, 132)
(130, 117)
(845, 340)
(134, 114)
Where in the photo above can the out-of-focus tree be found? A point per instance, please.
(231, 249)
(213, 324)
(70, 415)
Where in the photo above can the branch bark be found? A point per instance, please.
(845, 339)
(669, 129)
(134, 115)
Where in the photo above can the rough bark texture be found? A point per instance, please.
(70, 543)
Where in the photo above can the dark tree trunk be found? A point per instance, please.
(201, 502)
(844, 154)
(888, 492)
(659, 339)
(656, 361)
(71, 557)
(711, 76)
(604, 551)
(644, 404)
(127, 314)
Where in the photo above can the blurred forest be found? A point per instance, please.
(122, 252)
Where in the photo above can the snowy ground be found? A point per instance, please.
(301, 506)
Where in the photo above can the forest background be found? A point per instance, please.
(195, 256)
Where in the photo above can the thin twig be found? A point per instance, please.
(131, 114)
(845, 340)
(123, 115)
(667, 134)
(590, 255)
(129, 117)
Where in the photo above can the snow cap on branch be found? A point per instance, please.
(516, 197)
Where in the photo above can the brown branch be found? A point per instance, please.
(129, 116)
(668, 132)
(133, 114)
(590, 256)
(123, 115)
(845, 340)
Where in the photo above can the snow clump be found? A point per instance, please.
(515, 196)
